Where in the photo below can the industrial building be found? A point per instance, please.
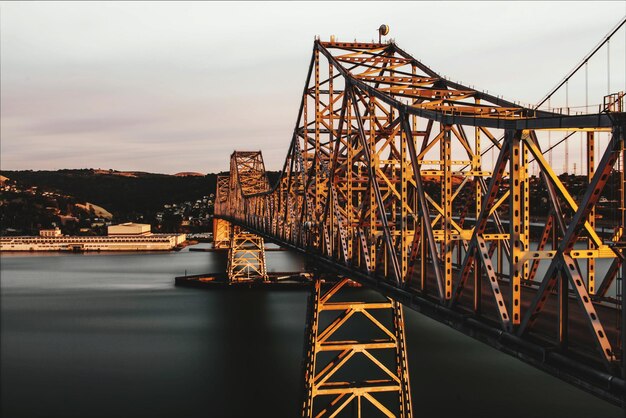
(123, 237)
(128, 228)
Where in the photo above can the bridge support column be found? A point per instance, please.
(246, 256)
(221, 234)
(355, 354)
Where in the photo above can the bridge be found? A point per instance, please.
(386, 184)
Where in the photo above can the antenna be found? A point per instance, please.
(383, 30)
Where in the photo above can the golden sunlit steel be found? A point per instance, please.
(385, 183)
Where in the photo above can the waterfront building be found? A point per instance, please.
(128, 228)
(56, 232)
(123, 237)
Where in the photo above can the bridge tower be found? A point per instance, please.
(221, 227)
(386, 182)
(355, 354)
(246, 256)
(246, 251)
(221, 234)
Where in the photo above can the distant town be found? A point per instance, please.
(29, 207)
(123, 237)
(87, 202)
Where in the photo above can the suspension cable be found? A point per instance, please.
(584, 60)
(554, 146)
(565, 80)
(608, 78)
(587, 86)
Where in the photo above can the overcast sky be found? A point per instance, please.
(170, 87)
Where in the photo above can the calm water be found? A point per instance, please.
(109, 335)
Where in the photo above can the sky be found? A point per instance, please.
(171, 87)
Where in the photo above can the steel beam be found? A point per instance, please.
(360, 195)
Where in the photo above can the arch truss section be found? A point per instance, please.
(421, 188)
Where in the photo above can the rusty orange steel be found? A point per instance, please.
(385, 182)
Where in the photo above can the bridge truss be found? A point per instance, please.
(385, 182)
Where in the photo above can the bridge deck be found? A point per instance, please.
(574, 364)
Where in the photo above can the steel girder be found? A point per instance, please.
(221, 234)
(246, 251)
(387, 161)
(221, 228)
(246, 256)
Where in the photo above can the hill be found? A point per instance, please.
(80, 201)
(118, 192)
(189, 173)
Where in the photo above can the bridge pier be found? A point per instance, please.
(221, 234)
(355, 354)
(246, 256)
(246, 251)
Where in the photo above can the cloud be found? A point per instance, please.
(171, 87)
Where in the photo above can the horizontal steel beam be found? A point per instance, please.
(535, 119)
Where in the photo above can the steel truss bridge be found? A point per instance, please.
(385, 184)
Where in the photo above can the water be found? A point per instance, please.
(108, 335)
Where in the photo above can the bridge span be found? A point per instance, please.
(386, 182)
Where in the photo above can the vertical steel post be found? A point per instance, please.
(405, 236)
(476, 167)
(318, 153)
(221, 233)
(330, 197)
(373, 161)
(591, 262)
(446, 204)
(350, 178)
(525, 216)
(515, 230)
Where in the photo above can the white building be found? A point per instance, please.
(152, 242)
(125, 237)
(56, 232)
(128, 228)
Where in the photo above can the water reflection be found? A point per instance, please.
(102, 335)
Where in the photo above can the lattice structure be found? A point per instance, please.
(221, 228)
(221, 234)
(247, 173)
(386, 181)
(246, 256)
(335, 384)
